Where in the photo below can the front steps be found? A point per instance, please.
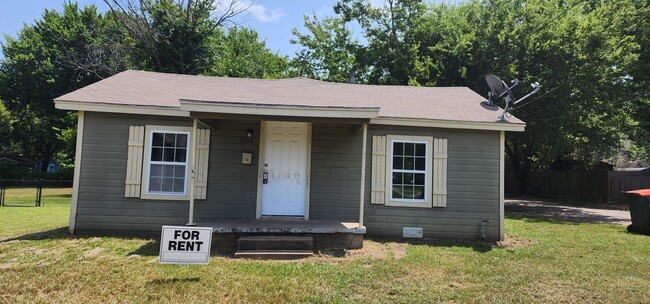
(275, 246)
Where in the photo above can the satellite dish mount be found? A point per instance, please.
(499, 88)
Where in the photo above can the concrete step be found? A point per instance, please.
(276, 242)
(273, 254)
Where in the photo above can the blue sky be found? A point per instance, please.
(273, 19)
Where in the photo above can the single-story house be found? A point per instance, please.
(163, 149)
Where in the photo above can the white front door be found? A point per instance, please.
(284, 168)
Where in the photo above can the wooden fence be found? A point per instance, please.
(595, 186)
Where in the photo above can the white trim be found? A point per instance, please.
(77, 171)
(260, 165)
(278, 110)
(190, 221)
(308, 182)
(502, 147)
(149, 130)
(363, 174)
(428, 172)
(449, 124)
(119, 108)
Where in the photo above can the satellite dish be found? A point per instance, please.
(498, 88)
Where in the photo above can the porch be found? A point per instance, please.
(282, 226)
(284, 236)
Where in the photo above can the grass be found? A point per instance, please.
(543, 261)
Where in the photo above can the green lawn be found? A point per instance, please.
(542, 262)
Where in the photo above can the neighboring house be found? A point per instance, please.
(52, 166)
(16, 159)
(374, 159)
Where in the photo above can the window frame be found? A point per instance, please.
(428, 172)
(148, 144)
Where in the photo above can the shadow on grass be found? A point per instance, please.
(173, 281)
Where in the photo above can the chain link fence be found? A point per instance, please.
(35, 193)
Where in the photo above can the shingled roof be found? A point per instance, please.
(165, 91)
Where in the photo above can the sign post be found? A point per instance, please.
(185, 245)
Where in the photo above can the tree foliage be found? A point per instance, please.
(61, 52)
(174, 36)
(584, 53)
(65, 51)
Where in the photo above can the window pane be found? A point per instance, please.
(167, 184)
(397, 192)
(408, 192)
(420, 163)
(156, 154)
(398, 148)
(168, 154)
(398, 178)
(168, 171)
(179, 184)
(170, 140)
(397, 162)
(181, 140)
(409, 163)
(420, 149)
(180, 155)
(154, 184)
(156, 171)
(157, 139)
(408, 179)
(179, 171)
(418, 192)
(409, 149)
(419, 179)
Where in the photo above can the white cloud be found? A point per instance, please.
(264, 15)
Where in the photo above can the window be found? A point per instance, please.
(409, 177)
(167, 163)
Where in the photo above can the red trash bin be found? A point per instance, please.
(639, 202)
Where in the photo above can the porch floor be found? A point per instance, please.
(282, 225)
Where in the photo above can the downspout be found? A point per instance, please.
(363, 173)
(192, 171)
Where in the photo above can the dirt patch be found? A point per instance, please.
(514, 242)
(399, 250)
(93, 252)
(371, 250)
(8, 266)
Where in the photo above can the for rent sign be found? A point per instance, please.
(185, 245)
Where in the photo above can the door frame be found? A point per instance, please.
(260, 167)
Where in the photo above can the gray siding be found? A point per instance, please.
(335, 173)
(472, 188)
(102, 205)
(473, 179)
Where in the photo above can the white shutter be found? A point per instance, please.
(202, 158)
(134, 162)
(439, 173)
(378, 194)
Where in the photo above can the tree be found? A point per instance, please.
(329, 51)
(174, 36)
(583, 53)
(239, 52)
(61, 52)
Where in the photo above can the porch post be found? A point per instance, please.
(192, 171)
(363, 173)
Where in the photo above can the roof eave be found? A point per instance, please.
(450, 124)
(278, 109)
(119, 108)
